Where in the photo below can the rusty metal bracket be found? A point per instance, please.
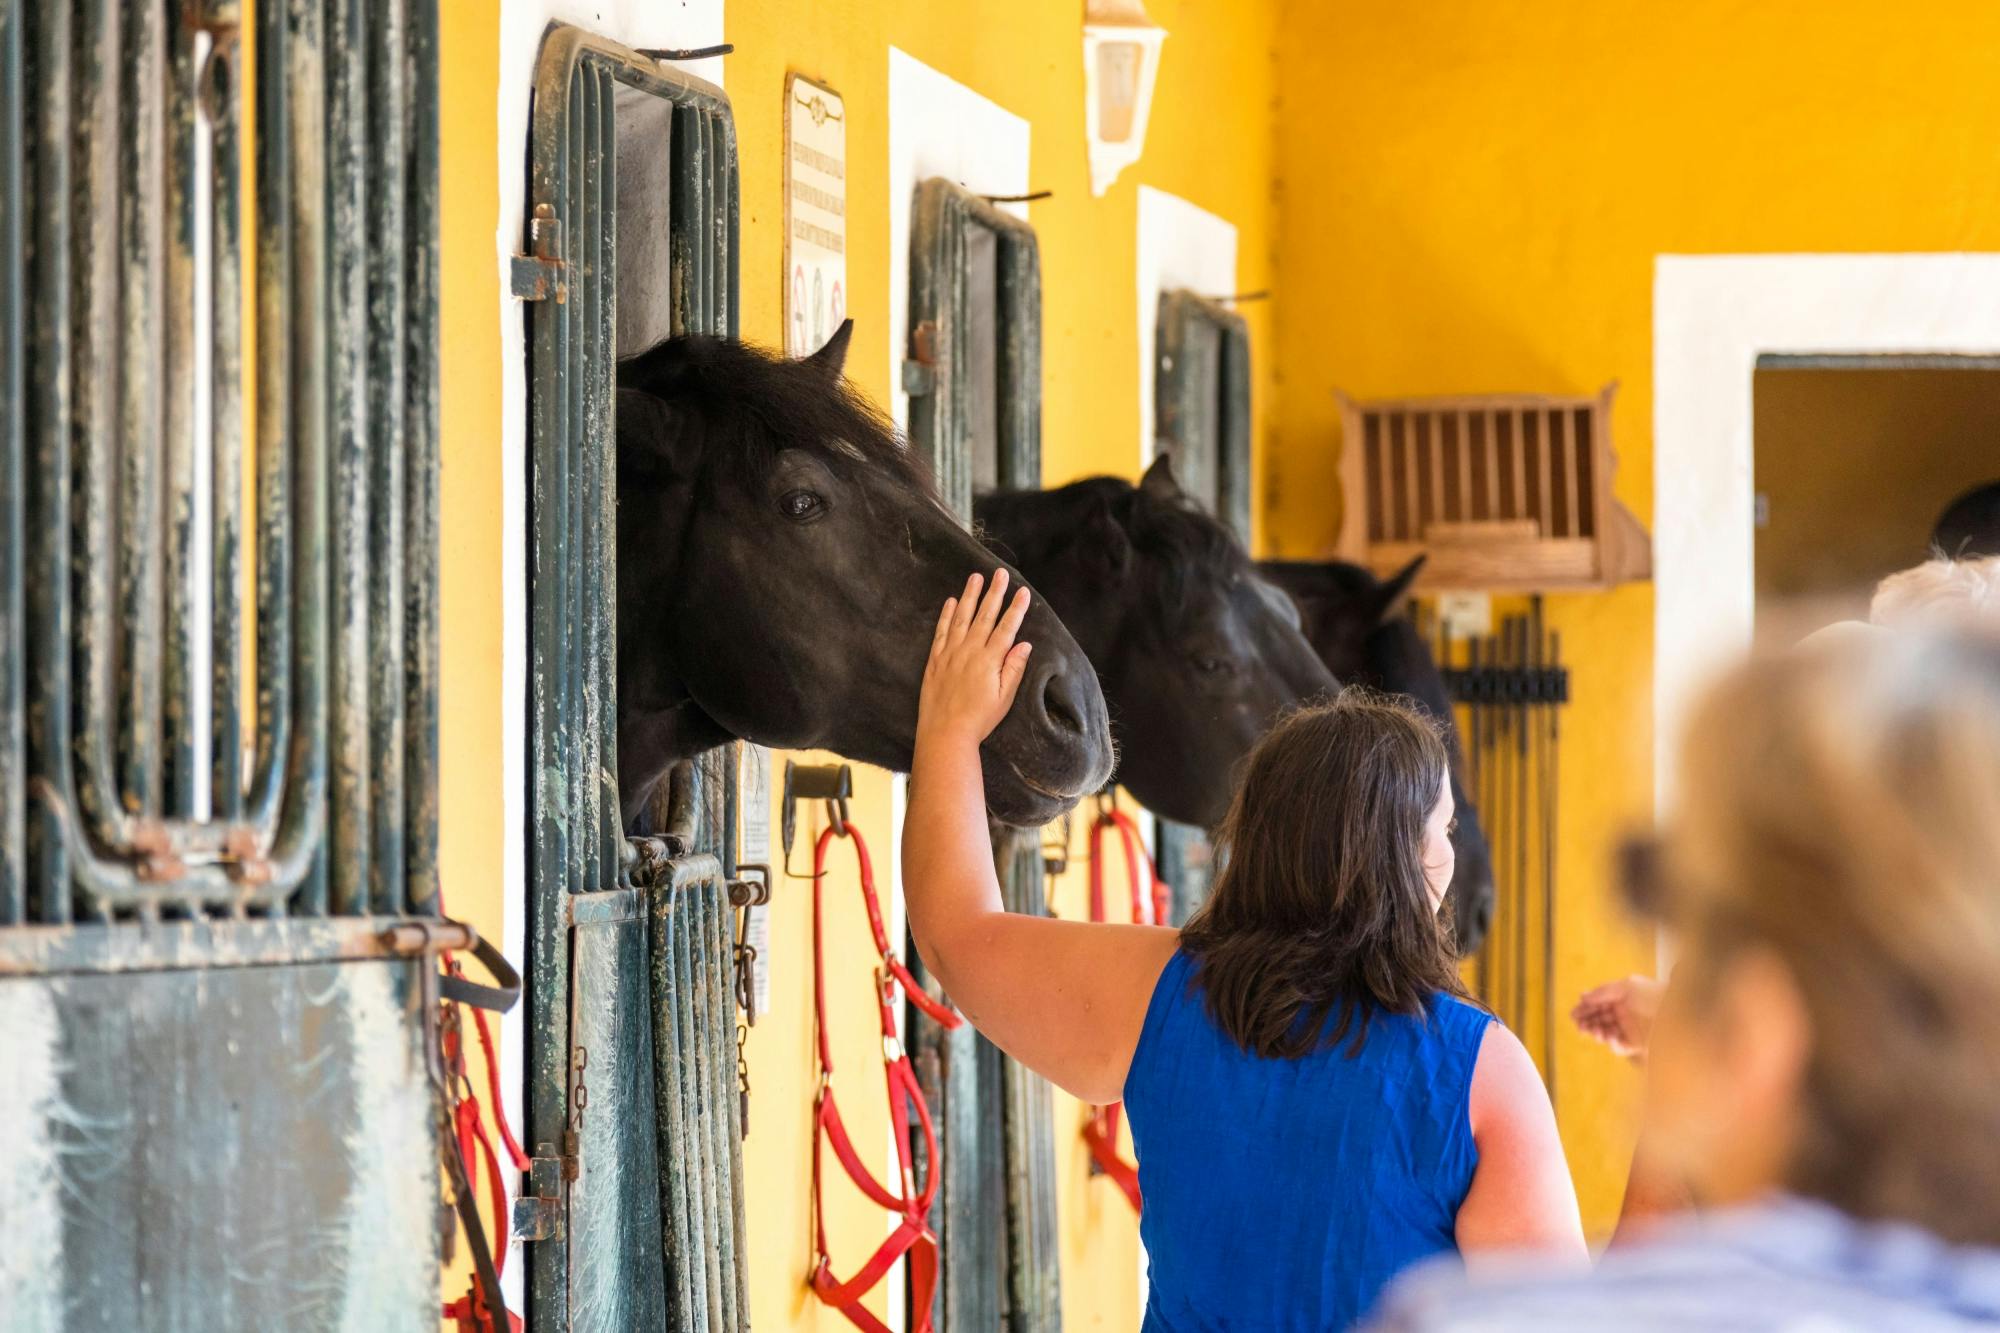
(750, 892)
(920, 372)
(541, 273)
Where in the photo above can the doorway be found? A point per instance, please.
(1854, 458)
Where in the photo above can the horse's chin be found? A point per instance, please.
(1017, 801)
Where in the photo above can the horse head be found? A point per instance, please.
(1969, 527)
(1357, 624)
(1197, 656)
(782, 558)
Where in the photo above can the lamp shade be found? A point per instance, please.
(1121, 63)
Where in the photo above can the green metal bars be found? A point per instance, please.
(218, 712)
(635, 1216)
(131, 794)
(1202, 422)
(974, 375)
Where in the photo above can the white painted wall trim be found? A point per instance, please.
(636, 23)
(939, 127)
(1713, 315)
(1179, 245)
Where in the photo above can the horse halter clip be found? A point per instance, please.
(912, 1235)
(1100, 1130)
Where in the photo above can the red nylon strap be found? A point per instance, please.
(912, 1235)
(470, 1128)
(1100, 1129)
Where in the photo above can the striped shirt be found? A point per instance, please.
(1784, 1264)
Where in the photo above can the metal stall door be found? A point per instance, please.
(974, 376)
(633, 1216)
(218, 666)
(1202, 422)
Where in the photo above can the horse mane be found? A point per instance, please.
(735, 400)
(1187, 550)
(1334, 581)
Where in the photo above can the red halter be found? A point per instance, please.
(913, 1234)
(1100, 1131)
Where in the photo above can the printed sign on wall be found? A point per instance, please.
(753, 847)
(815, 214)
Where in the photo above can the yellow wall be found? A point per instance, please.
(1210, 142)
(1473, 195)
(469, 705)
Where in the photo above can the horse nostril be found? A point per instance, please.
(1059, 710)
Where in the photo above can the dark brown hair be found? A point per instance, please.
(1322, 913)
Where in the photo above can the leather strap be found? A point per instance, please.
(912, 1235)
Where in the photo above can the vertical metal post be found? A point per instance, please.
(302, 776)
(220, 87)
(47, 484)
(420, 405)
(13, 751)
(347, 206)
(177, 687)
(384, 441)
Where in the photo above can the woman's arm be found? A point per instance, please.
(1065, 998)
(1521, 1197)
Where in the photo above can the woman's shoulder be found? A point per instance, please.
(1459, 1022)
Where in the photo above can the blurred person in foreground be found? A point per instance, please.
(1940, 593)
(1825, 1069)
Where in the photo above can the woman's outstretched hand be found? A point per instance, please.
(1620, 1014)
(975, 666)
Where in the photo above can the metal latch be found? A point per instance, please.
(541, 273)
(920, 372)
(538, 1213)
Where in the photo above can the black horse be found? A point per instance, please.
(781, 562)
(1196, 655)
(1970, 525)
(1355, 621)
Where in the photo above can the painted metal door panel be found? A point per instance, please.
(219, 1146)
(617, 1277)
(1202, 392)
(220, 1106)
(975, 412)
(632, 1115)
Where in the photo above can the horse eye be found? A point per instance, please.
(800, 505)
(1209, 666)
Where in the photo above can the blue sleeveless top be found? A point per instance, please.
(1285, 1194)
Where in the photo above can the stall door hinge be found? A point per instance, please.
(538, 1213)
(541, 273)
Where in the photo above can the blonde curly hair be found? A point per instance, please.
(1941, 593)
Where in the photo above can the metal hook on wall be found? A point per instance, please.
(832, 783)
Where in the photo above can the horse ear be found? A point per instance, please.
(1389, 597)
(1159, 479)
(1102, 537)
(649, 429)
(831, 359)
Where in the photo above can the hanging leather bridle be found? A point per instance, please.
(912, 1235)
(482, 1309)
(1100, 1129)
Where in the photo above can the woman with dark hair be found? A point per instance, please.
(1315, 1103)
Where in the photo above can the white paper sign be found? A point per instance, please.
(815, 214)
(753, 847)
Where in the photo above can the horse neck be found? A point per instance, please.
(1397, 662)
